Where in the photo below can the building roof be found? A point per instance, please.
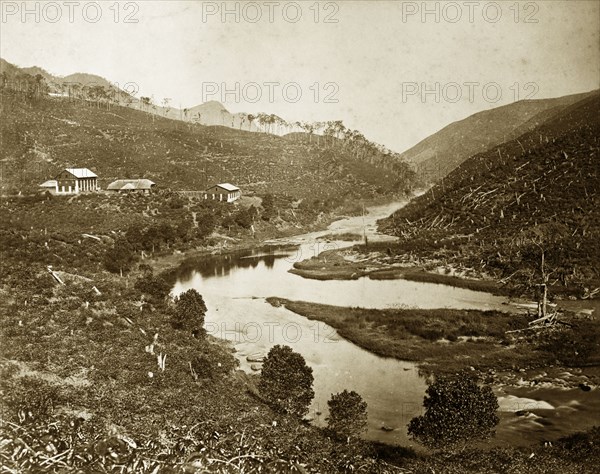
(81, 173)
(130, 184)
(227, 187)
(51, 183)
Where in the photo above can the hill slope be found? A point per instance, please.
(440, 153)
(500, 209)
(40, 135)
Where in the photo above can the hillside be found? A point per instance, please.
(440, 153)
(39, 135)
(81, 84)
(500, 209)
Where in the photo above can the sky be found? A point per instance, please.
(398, 71)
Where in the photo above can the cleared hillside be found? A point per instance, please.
(40, 135)
(440, 153)
(499, 210)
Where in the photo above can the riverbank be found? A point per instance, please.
(448, 341)
(378, 264)
(267, 238)
(328, 267)
(378, 261)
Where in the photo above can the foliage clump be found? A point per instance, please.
(457, 410)
(347, 414)
(120, 258)
(189, 312)
(286, 381)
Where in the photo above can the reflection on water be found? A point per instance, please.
(221, 265)
(263, 273)
(230, 285)
(234, 287)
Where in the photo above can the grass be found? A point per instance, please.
(446, 340)
(331, 265)
(346, 237)
(419, 274)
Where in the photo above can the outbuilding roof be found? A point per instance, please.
(51, 183)
(130, 184)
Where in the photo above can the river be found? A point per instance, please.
(235, 286)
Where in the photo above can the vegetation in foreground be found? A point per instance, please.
(103, 372)
(457, 411)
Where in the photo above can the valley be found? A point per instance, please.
(381, 275)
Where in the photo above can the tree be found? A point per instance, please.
(457, 410)
(146, 102)
(245, 217)
(206, 222)
(190, 310)
(347, 414)
(120, 258)
(268, 205)
(155, 286)
(287, 381)
(546, 244)
(166, 105)
(251, 119)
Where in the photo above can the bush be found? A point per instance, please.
(347, 414)
(245, 217)
(457, 410)
(120, 258)
(572, 347)
(287, 381)
(214, 362)
(189, 311)
(154, 286)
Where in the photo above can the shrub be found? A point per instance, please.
(573, 347)
(347, 414)
(120, 258)
(287, 381)
(457, 410)
(154, 286)
(189, 311)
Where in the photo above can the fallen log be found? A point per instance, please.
(55, 275)
(90, 236)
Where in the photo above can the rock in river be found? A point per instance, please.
(256, 357)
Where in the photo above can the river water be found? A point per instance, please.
(235, 286)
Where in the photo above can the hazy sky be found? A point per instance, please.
(369, 61)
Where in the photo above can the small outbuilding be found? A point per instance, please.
(223, 192)
(143, 186)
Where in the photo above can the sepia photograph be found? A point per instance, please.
(349, 236)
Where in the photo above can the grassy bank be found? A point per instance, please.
(347, 264)
(449, 340)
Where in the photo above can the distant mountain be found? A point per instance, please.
(209, 113)
(41, 134)
(85, 80)
(500, 208)
(214, 113)
(440, 153)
